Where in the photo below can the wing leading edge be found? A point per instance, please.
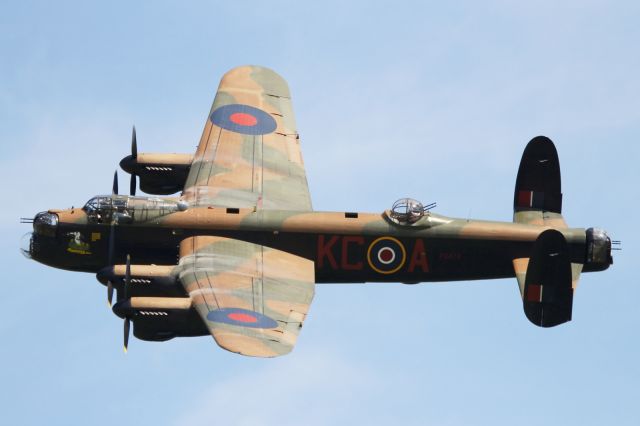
(249, 153)
(253, 299)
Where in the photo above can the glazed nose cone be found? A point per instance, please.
(26, 245)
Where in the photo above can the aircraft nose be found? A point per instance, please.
(26, 245)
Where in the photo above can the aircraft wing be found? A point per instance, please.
(252, 298)
(249, 154)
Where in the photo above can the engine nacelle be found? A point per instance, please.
(146, 280)
(160, 174)
(161, 318)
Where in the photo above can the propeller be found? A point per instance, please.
(112, 241)
(112, 238)
(134, 155)
(127, 284)
(109, 293)
(111, 249)
(127, 277)
(114, 191)
(127, 327)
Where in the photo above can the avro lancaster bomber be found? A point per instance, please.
(238, 253)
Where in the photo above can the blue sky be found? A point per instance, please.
(423, 99)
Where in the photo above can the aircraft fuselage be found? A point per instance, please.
(346, 247)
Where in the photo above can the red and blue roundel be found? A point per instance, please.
(242, 317)
(386, 255)
(243, 119)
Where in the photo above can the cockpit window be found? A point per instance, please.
(92, 205)
(101, 209)
(123, 208)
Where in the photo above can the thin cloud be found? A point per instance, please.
(315, 387)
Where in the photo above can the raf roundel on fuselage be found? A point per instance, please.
(243, 119)
(386, 255)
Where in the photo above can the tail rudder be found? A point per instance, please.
(547, 278)
(548, 285)
(538, 194)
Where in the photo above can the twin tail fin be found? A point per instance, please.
(537, 198)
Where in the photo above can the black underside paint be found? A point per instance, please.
(338, 258)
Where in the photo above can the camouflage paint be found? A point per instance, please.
(238, 253)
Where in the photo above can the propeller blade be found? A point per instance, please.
(127, 326)
(134, 155)
(111, 249)
(127, 278)
(127, 283)
(134, 144)
(112, 242)
(115, 183)
(132, 185)
(109, 292)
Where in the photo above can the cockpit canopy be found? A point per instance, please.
(100, 209)
(124, 208)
